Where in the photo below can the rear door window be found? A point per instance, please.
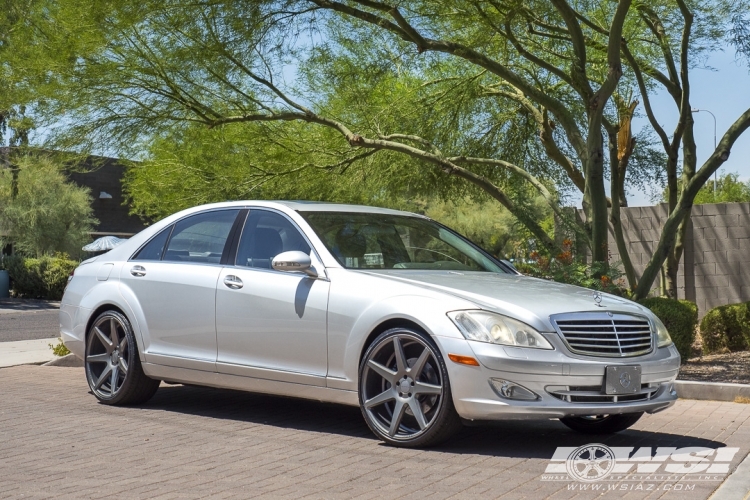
(201, 237)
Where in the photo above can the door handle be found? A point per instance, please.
(138, 271)
(233, 282)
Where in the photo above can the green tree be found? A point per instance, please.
(48, 214)
(727, 189)
(458, 87)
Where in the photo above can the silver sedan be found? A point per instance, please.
(386, 310)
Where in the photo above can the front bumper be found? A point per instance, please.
(549, 373)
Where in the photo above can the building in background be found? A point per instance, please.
(103, 177)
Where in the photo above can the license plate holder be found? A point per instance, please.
(622, 379)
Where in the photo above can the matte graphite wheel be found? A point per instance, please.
(113, 370)
(404, 392)
(601, 424)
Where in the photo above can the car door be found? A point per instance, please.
(271, 324)
(173, 278)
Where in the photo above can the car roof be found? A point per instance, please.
(318, 206)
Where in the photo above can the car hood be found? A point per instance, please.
(532, 300)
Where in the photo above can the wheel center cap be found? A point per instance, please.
(404, 386)
(115, 357)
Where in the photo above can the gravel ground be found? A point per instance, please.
(733, 367)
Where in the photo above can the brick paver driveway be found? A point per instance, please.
(57, 441)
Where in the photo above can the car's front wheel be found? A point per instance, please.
(602, 424)
(404, 392)
(113, 370)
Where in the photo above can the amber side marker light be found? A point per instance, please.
(463, 360)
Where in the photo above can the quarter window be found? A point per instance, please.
(154, 249)
(200, 238)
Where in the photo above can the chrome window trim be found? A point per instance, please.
(603, 316)
(171, 228)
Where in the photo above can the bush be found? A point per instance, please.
(680, 317)
(48, 213)
(39, 278)
(566, 269)
(726, 328)
(59, 349)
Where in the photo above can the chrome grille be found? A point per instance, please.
(599, 334)
(594, 394)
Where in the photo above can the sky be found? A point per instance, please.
(725, 91)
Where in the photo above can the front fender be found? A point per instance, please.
(347, 344)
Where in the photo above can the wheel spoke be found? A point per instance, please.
(123, 366)
(97, 358)
(384, 396)
(123, 344)
(384, 372)
(102, 377)
(113, 331)
(424, 388)
(113, 382)
(398, 413)
(416, 369)
(416, 409)
(106, 342)
(401, 364)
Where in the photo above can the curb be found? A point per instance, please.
(69, 360)
(711, 391)
(737, 485)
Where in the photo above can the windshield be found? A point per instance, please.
(379, 241)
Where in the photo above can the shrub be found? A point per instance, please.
(680, 317)
(566, 269)
(726, 328)
(59, 349)
(48, 213)
(39, 278)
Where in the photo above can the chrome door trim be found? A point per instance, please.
(200, 365)
(271, 374)
(250, 384)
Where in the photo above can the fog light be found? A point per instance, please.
(511, 390)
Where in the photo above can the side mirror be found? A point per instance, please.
(294, 261)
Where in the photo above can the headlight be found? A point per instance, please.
(488, 327)
(662, 335)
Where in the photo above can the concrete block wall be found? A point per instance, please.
(715, 268)
(720, 247)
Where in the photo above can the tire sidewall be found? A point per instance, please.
(446, 404)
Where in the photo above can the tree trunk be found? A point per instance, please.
(597, 197)
(617, 181)
(688, 171)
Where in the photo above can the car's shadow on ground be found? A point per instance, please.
(513, 438)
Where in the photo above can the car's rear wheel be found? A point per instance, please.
(404, 391)
(113, 369)
(601, 424)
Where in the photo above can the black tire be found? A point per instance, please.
(115, 362)
(439, 420)
(602, 424)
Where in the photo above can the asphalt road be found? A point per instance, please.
(56, 441)
(29, 325)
